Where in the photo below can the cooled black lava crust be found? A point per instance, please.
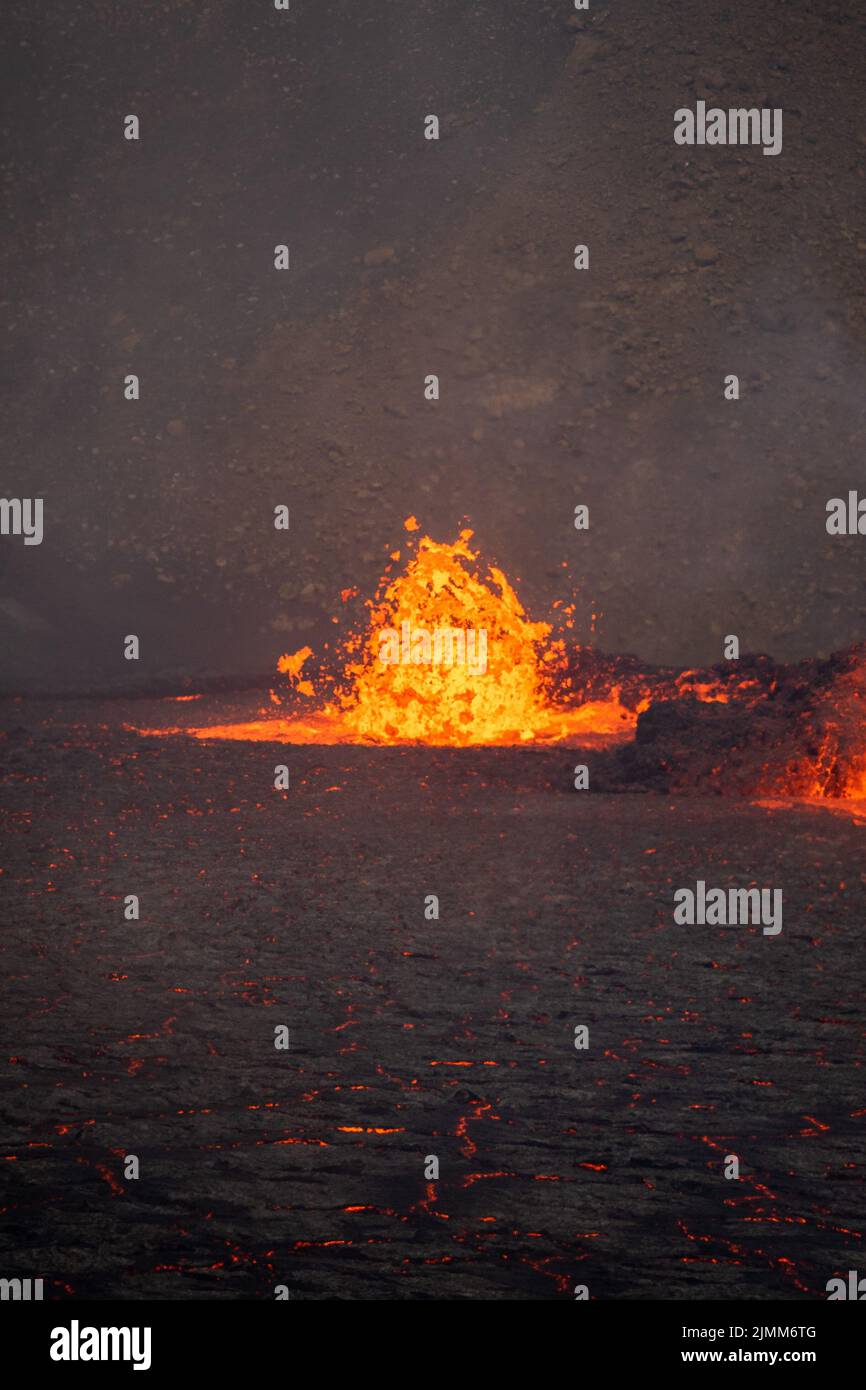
(414, 1037)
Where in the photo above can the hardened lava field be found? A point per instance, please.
(412, 1037)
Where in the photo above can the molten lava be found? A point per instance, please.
(426, 688)
(446, 655)
(453, 701)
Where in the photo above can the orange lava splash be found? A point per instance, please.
(452, 701)
(448, 657)
(835, 778)
(855, 789)
(837, 768)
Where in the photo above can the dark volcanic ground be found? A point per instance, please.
(411, 1037)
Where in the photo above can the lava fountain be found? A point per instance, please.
(522, 695)
(747, 727)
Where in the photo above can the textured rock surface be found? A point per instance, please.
(411, 1038)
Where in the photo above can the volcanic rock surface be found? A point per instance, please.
(412, 1037)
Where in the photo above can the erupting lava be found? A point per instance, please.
(447, 656)
(429, 691)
